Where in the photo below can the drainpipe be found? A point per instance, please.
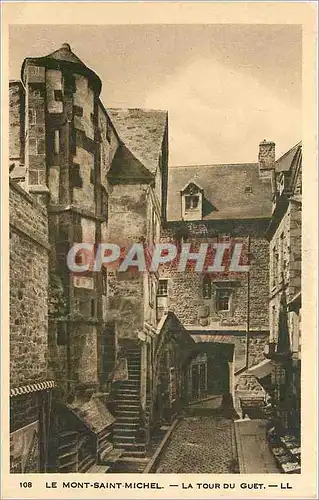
(248, 305)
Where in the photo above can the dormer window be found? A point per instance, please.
(192, 201)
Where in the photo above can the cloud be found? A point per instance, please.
(219, 115)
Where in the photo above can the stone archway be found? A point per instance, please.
(211, 367)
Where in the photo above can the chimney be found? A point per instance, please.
(266, 158)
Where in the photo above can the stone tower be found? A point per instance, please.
(68, 151)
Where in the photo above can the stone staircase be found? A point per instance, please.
(129, 434)
(77, 453)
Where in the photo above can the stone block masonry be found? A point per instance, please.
(16, 100)
(249, 307)
(28, 289)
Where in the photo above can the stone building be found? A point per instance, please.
(30, 387)
(284, 234)
(225, 205)
(126, 350)
(100, 176)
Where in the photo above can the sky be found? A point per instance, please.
(226, 87)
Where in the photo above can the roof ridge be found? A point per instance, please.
(289, 151)
(139, 109)
(214, 165)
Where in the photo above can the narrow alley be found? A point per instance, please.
(203, 442)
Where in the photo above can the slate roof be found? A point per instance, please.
(142, 132)
(231, 191)
(94, 414)
(215, 338)
(64, 53)
(284, 163)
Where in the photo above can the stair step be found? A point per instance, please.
(127, 445)
(123, 428)
(126, 425)
(68, 464)
(128, 403)
(132, 395)
(127, 390)
(126, 433)
(133, 453)
(131, 409)
(113, 456)
(98, 469)
(106, 448)
(124, 440)
(68, 434)
(127, 396)
(68, 454)
(128, 383)
(128, 413)
(86, 463)
(125, 401)
(128, 418)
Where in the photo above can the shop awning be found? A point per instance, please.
(263, 369)
(26, 389)
(93, 413)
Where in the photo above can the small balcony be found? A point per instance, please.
(271, 352)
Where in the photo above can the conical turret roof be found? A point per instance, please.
(64, 53)
(64, 57)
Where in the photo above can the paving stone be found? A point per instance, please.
(200, 445)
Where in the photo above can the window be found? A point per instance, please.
(104, 202)
(58, 96)
(56, 142)
(108, 131)
(162, 288)
(36, 93)
(32, 116)
(275, 260)
(78, 111)
(223, 300)
(104, 281)
(191, 202)
(151, 290)
(154, 222)
(92, 175)
(282, 254)
(79, 258)
(172, 385)
(273, 322)
(161, 299)
(93, 308)
(207, 288)
(75, 177)
(61, 338)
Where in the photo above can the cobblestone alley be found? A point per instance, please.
(201, 444)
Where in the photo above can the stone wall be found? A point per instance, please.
(185, 289)
(256, 346)
(16, 121)
(127, 225)
(28, 289)
(285, 262)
